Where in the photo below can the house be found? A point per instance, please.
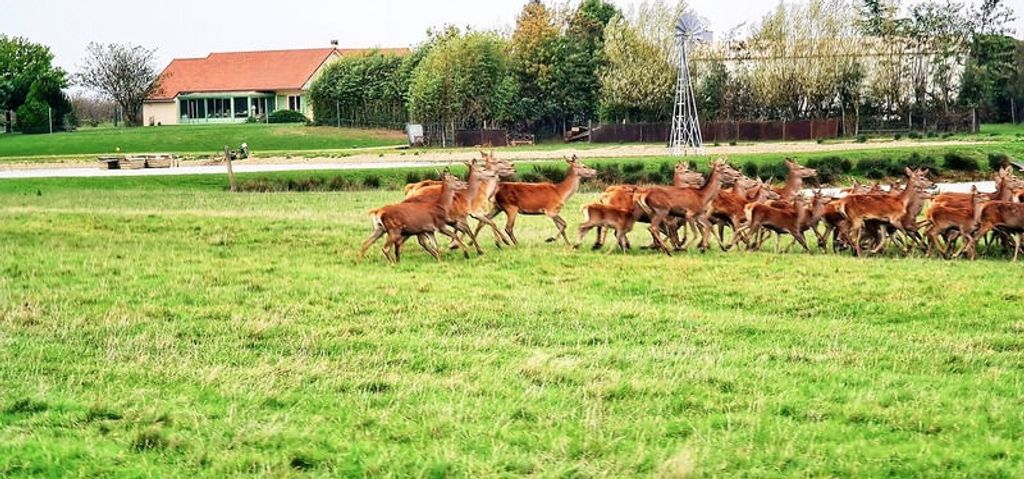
(231, 87)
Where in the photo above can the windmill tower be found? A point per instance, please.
(686, 135)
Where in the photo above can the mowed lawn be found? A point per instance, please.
(174, 332)
(197, 139)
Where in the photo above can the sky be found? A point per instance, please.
(194, 28)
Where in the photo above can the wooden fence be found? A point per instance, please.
(720, 131)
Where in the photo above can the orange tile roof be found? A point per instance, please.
(248, 71)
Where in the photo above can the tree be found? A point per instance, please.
(531, 61)
(23, 64)
(458, 82)
(367, 90)
(579, 57)
(124, 73)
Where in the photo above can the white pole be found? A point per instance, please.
(49, 115)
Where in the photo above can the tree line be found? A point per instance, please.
(899, 65)
(119, 76)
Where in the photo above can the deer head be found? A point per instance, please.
(799, 170)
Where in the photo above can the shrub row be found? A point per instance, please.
(831, 170)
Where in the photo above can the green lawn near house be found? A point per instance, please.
(167, 328)
(194, 139)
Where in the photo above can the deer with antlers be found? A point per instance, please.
(689, 204)
(421, 219)
(883, 208)
(546, 199)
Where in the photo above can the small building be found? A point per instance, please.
(232, 87)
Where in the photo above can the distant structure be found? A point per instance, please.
(686, 134)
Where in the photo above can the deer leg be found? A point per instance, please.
(389, 246)
(1016, 247)
(561, 224)
(584, 229)
(424, 241)
(620, 234)
(463, 225)
(499, 238)
(374, 236)
(705, 232)
(798, 236)
(883, 239)
(453, 235)
(655, 230)
(510, 224)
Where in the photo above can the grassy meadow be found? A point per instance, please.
(159, 327)
(192, 139)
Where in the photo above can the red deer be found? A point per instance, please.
(859, 209)
(690, 204)
(475, 201)
(546, 199)
(943, 219)
(604, 216)
(794, 180)
(1006, 216)
(402, 220)
(1006, 183)
(458, 212)
(622, 197)
(727, 208)
(794, 220)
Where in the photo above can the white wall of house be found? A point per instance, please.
(163, 113)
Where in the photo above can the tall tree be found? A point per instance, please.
(579, 57)
(458, 81)
(124, 73)
(22, 64)
(532, 57)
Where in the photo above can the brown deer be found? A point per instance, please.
(1006, 216)
(690, 204)
(458, 212)
(859, 209)
(476, 201)
(622, 197)
(727, 208)
(1005, 182)
(943, 219)
(421, 219)
(794, 180)
(621, 220)
(546, 199)
(794, 220)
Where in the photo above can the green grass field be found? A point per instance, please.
(198, 139)
(159, 328)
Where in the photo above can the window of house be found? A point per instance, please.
(295, 103)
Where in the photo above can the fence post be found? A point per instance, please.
(232, 183)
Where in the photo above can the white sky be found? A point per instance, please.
(193, 28)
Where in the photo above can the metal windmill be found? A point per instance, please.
(686, 135)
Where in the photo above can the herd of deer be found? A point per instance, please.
(864, 219)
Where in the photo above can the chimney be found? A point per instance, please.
(334, 43)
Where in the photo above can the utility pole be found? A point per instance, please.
(49, 117)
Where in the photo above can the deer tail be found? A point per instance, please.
(748, 211)
(641, 200)
(586, 213)
(375, 217)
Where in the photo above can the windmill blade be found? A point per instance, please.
(691, 26)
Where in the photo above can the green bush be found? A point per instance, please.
(874, 168)
(609, 174)
(777, 170)
(33, 117)
(751, 169)
(287, 116)
(998, 160)
(898, 136)
(914, 135)
(553, 174)
(372, 182)
(915, 161)
(861, 139)
(830, 168)
(960, 162)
